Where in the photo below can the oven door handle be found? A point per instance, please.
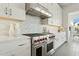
(40, 46)
(21, 45)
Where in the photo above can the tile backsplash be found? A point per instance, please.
(31, 25)
(8, 28)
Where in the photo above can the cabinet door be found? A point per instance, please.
(18, 5)
(16, 12)
(3, 9)
(22, 50)
(56, 43)
(50, 21)
(18, 47)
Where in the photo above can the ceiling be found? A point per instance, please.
(68, 4)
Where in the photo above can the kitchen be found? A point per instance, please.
(32, 29)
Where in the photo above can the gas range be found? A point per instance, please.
(39, 43)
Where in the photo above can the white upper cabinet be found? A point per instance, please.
(15, 11)
(3, 9)
(56, 11)
(18, 5)
(57, 15)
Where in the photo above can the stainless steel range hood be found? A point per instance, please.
(36, 9)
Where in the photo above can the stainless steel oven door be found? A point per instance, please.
(50, 47)
(39, 50)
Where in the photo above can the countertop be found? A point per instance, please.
(8, 38)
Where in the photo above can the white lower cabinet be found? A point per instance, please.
(21, 50)
(60, 39)
(15, 48)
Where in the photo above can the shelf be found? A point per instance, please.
(10, 18)
(60, 28)
(55, 25)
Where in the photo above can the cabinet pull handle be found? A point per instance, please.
(21, 45)
(6, 11)
(10, 11)
(12, 55)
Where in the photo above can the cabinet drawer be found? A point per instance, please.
(13, 45)
(21, 50)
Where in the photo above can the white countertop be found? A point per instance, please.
(7, 38)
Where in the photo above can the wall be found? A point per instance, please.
(71, 17)
(31, 25)
(66, 11)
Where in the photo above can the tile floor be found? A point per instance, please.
(68, 49)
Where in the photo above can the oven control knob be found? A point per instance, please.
(42, 39)
(45, 38)
(35, 40)
(38, 40)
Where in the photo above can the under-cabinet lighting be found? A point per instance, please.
(48, 14)
(38, 9)
(45, 12)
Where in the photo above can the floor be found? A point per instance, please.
(68, 49)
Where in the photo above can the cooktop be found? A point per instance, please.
(36, 34)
